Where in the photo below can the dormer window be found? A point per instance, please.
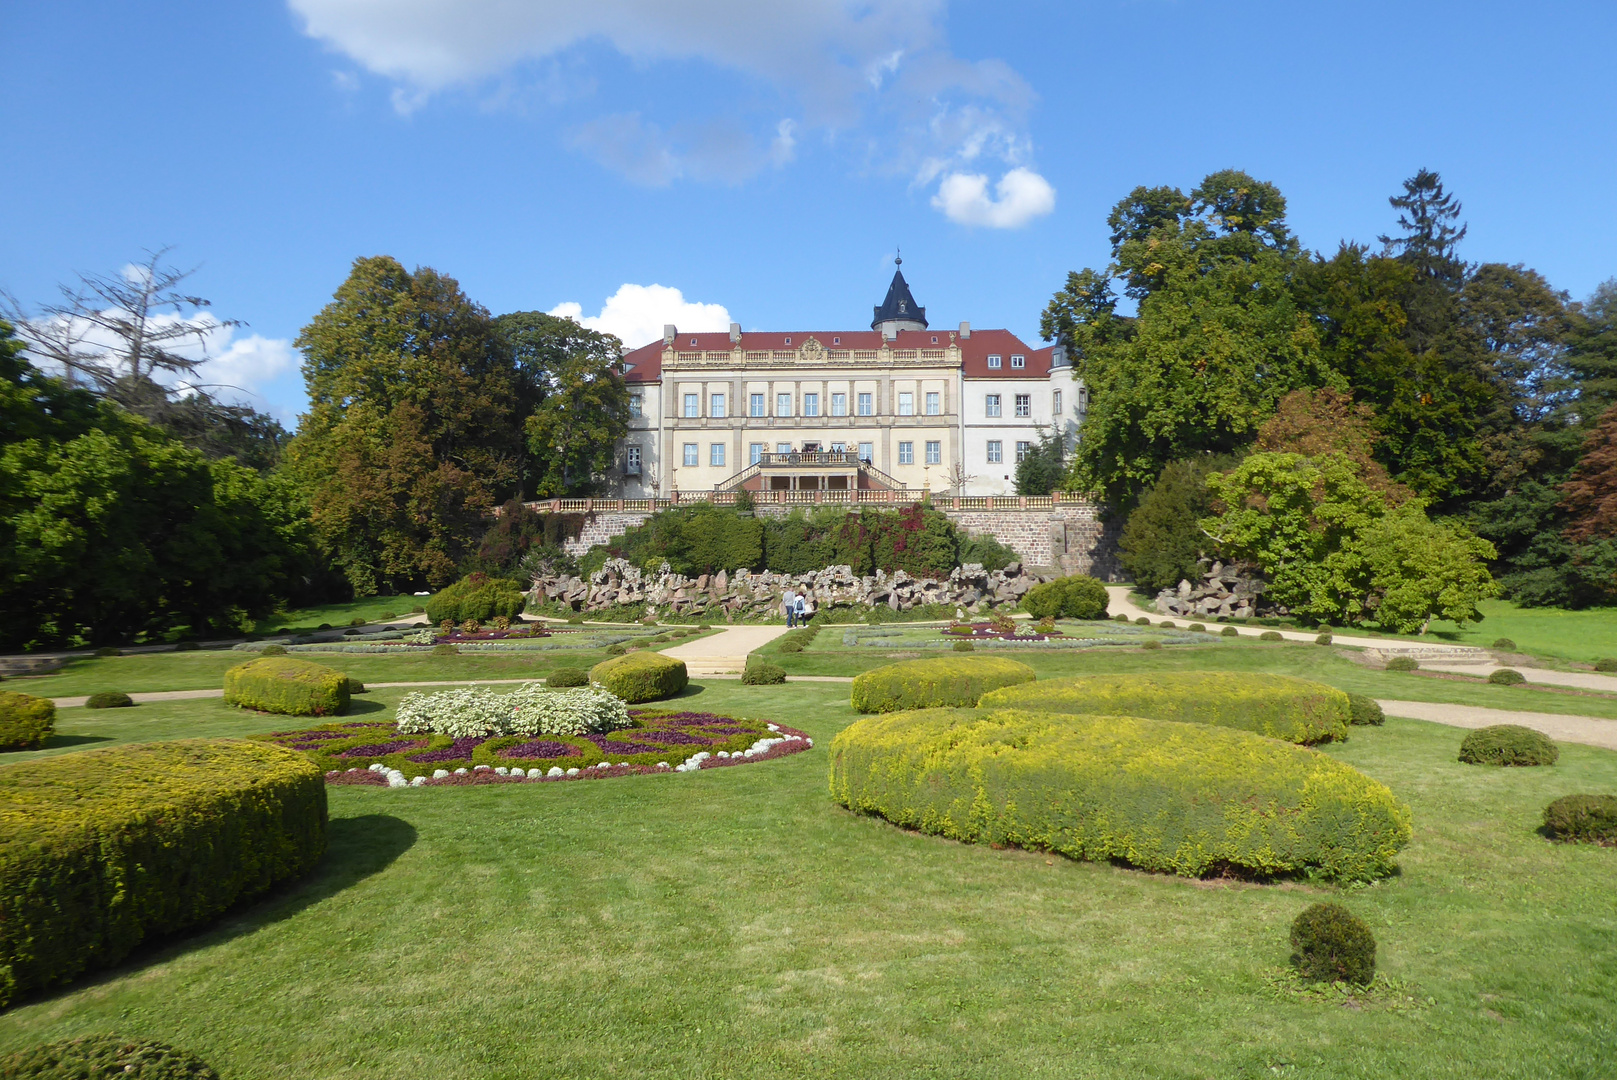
(1018, 361)
(836, 341)
(788, 341)
(693, 341)
(993, 361)
(934, 339)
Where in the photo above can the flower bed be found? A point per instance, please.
(979, 631)
(657, 740)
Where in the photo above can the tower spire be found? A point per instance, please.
(899, 311)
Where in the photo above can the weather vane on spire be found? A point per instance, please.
(898, 256)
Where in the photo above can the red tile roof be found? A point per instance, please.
(645, 363)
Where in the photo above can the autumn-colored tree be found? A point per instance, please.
(1590, 495)
(412, 434)
(1326, 421)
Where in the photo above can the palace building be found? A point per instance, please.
(899, 406)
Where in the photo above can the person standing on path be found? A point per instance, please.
(789, 602)
(805, 609)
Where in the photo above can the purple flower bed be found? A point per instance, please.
(459, 750)
(375, 750)
(539, 748)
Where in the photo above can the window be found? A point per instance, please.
(866, 405)
(635, 406)
(996, 451)
(788, 341)
(811, 404)
(867, 451)
(715, 404)
(839, 448)
(1021, 451)
(715, 454)
(756, 404)
(1055, 405)
(991, 405)
(1024, 404)
(783, 448)
(934, 452)
(906, 404)
(836, 341)
(690, 453)
(934, 403)
(993, 360)
(631, 460)
(755, 453)
(692, 405)
(839, 404)
(1018, 361)
(783, 404)
(906, 453)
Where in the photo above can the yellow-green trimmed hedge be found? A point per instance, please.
(1278, 706)
(935, 682)
(103, 849)
(285, 684)
(641, 676)
(25, 721)
(1159, 795)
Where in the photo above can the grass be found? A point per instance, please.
(370, 608)
(734, 923)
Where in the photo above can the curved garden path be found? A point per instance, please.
(724, 652)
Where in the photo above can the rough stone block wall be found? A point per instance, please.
(599, 528)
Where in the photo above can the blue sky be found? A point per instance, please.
(764, 158)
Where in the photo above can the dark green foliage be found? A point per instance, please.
(795, 641)
(1197, 627)
(1331, 944)
(1077, 596)
(563, 677)
(1142, 621)
(1230, 631)
(93, 1057)
(1591, 818)
(524, 538)
(1508, 744)
(1153, 644)
(641, 676)
(1167, 624)
(25, 721)
(109, 699)
(762, 673)
(1323, 639)
(1402, 663)
(1162, 540)
(934, 682)
(1506, 677)
(477, 596)
(354, 685)
(1271, 635)
(272, 650)
(88, 870)
(1504, 644)
(964, 646)
(611, 650)
(286, 684)
(108, 650)
(1365, 711)
(1606, 664)
(1044, 466)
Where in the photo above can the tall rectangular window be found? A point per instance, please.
(1021, 451)
(756, 405)
(906, 404)
(690, 453)
(1024, 404)
(715, 454)
(839, 448)
(839, 404)
(755, 453)
(631, 460)
(996, 451)
(934, 403)
(1055, 405)
(867, 451)
(715, 405)
(991, 405)
(934, 452)
(906, 453)
(1018, 361)
(811, 404)
(783, 404)
(993, 361)
(635, 407)
(693, 405)
(867, 405)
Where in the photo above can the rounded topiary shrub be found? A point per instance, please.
(449, 648)
(1076, 597)
(1508, 744)
(964, 646)
(761, 673)
(1608, 664)
(1271, 635)
(1183, 798)
(1150, 644)
(1365, 711)
(641, 676)
(564, 677)
(1504, 643)
(109, 699)
(96, 1056)
(1279, 706)
(143, 841)
(1142, 621)
(1591, 818)
(1402, 663)
(286, 684)
(25, 721)
(476, 596)
(935, 682)
(1120, 617)
(1331, 944)
(1323, 639)
(615, 649)
(272, 650)
(1167, 624)
(1229, 631)
(1506, 677)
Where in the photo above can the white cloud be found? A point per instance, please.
(636, 314)
(1020, 196)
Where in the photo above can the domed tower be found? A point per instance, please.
(899, 311)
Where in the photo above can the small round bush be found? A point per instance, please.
(790, 647)
(1402, 663)
(705, 626)
(356, 621)
(1166, 624)
(418, 610)
(1323, 639)
(390, 615)
(446, 648)
(106, 1056)
(564, 677)
(1120, 617)
(354, 685)
(1229, 631)
(1365, 711)
(763, 674)
(1504, 643)
(1590, 818)
(272, 650)
(1331, 944)
(350, 632)
(1607, 664)
(324, 626)
(616, 649)
(1198, 628)
(964, 646)
(1506, 677)
(108, 650)
(109, 699)
(1271, 635)
(1077, 596)
(1142, 621)
(1508, 744)
(1150, 644)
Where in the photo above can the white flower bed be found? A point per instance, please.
(528, 710)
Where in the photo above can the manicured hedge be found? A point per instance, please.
(92, 1057)
(934, 682)
(1508, 744)
(1278, 706)
(1367, 711)
(285, 684)
(563, 677)
(109, 699)
(1155, 794)
(1591, 818)
(25, 721)
(1075, 597)
(641, 676)
(103, 849)
(476, 596)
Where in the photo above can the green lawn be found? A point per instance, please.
(734, 923)
(370, 608)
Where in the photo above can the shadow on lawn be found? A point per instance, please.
(57, 741)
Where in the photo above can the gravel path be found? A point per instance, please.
(1588, 730)
(725, 651)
